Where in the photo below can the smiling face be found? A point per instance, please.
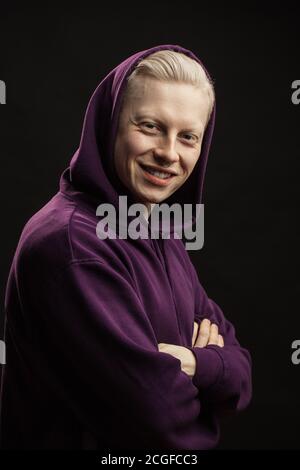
(161, 127)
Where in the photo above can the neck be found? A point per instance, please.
(148, 209)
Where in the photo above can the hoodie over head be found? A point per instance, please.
(91, 170)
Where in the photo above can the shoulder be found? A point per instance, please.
(44, 240)
(63, 232)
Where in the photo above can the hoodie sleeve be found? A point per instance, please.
(99, 353)
(223, 374)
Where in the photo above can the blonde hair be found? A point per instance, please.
(169, 65)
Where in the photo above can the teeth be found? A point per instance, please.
(159, 174)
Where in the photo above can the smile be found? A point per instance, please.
(159, 178)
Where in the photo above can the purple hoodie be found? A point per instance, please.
(84, 316)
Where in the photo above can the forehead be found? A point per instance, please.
(167, 100)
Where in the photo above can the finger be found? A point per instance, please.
(220, 341)
(196, 327)
(204, 333)
(214, 333)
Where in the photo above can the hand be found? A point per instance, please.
(208, 334)
(186, 357)
(195, 332)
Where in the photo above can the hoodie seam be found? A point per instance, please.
(78, 262)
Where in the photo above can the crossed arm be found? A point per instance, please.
(207, 334)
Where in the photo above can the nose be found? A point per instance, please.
(165, 153)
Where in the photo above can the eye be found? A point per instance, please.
(190, 138)
(149, 126)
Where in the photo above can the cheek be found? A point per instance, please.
(137, 144)
(190, 161)
(193, 164)
(132, 148)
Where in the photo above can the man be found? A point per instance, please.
(103, 347)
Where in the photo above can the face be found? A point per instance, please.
(158, 142)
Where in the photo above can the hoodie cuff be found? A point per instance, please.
(209, 366)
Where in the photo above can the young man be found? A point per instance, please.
(104, 348)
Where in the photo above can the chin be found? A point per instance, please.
(154, 199)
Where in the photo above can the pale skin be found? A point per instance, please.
(162, 125)
(208, 334)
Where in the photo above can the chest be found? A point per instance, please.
(164, 286)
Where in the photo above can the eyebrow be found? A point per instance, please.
(161, 123)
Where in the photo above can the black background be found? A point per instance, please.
(53, 57)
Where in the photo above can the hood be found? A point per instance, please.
(90, 176)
